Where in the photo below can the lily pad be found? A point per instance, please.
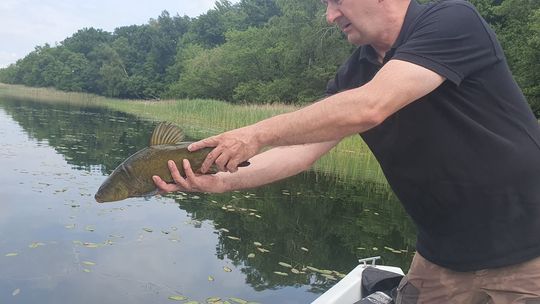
(177, 298)
(313, 268)
(330, 277)
(91, 245)
(35, 245)
(321, 271)
(227, 269)
(285, 264)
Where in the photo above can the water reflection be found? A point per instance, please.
(143, 251)
(86, 137)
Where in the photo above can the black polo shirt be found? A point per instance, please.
(465, 159)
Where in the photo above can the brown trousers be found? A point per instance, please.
(427, 283)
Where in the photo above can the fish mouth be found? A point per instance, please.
(98, 198)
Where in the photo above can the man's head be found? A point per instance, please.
(374, 22)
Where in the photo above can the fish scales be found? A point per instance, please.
(152, 161)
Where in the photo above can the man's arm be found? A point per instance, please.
(267, 167)
(397, 84)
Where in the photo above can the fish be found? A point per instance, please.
(133, 177)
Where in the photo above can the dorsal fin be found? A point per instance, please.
(166, 133)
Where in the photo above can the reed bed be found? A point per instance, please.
(350, 161)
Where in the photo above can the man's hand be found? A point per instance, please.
(231, 149)
(192, 182)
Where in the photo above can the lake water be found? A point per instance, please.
(57, 245)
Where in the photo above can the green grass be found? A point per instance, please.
(350, 161)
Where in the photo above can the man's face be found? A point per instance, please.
(356, 18)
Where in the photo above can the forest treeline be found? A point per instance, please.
(253, 51)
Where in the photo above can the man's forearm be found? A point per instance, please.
(274, 164)
(397, 84)
(321, 121)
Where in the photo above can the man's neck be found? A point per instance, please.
(396, 18)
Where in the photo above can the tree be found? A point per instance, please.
(9, 74)
(259, 51)
(256, 13)
(70, 70)
(517, 23)
(86, 40)
(208, 30)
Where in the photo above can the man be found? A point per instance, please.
(430, 92)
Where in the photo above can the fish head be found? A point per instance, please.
(114, 188)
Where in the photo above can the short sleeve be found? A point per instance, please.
(450, 39)
(331, 87)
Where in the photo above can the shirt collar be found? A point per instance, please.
(366, 52)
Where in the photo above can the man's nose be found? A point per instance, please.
(332, 13)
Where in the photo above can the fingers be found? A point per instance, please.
(174, 172)
(192, 182)
(163, 186)
(178, 179)
(190, 175)
(233, 164)
(180, 183)
(230, 149)
(210, 159)
(223, 161)
(205, 143)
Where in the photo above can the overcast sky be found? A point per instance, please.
(25, 24)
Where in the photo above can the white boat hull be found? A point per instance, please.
(348, 290)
